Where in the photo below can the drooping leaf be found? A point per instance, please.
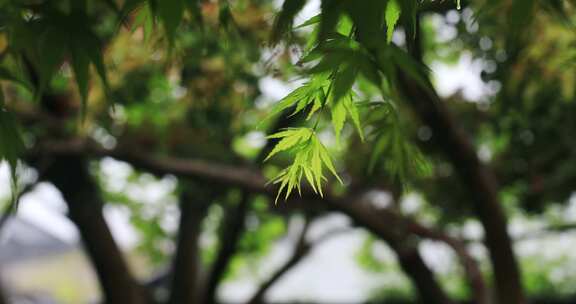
(284, 19)
(369, 69)
(128, 7)
(344, 80)
(352, 110)
(95, 54)
(520, 15)
(194, 7)
(291, 99)
(325, 157)
(316, 168)
(392, 15)
(6, 74)
(85, 49)
(170, 13)
(144, 20)
(415, 70)
(408, 16)
(318, 102)
(309, 160)
(338, 118)
(331, 12)
(290, 138)
(51, 51)
(368, 19)
(11, 144)
(332, 58)
(301, 105)
(311, 21)
(81, 67)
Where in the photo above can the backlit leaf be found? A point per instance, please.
(352, 110)
(392, 15)
(338, 118)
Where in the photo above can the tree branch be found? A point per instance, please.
(476, 283)
(186, 265)
(228, 246)
(556, 228)
(476, 176)
(70, 175)
(235, 219)
(252, 180)
(242, 177)
(479, 180)
(301, 249)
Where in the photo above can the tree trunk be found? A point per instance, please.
(480, 181)
(186, 265)
(409, 258)
(3, 296)
(71, 176)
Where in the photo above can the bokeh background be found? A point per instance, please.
(206, 99)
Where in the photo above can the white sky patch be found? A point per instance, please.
(311, 9)
(464, 76)
(118, 220)
(330, 273)
(45, 208)
(4, 181)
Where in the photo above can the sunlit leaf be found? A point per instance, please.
(354, 115)
(309, 160)
(338, 118)
(290, 138)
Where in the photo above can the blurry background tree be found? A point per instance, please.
(173, 89)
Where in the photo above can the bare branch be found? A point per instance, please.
(236, 217)
(229, 242)
(301, 251)
(474, 276)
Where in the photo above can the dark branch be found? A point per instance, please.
(235, 219)
(70, 175)
(302, 248)
(228, 246)
(186, 264)
(450, 138)
(474, 276)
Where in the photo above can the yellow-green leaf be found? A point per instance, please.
(338, 118)
(352, 110)
(392, 15)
